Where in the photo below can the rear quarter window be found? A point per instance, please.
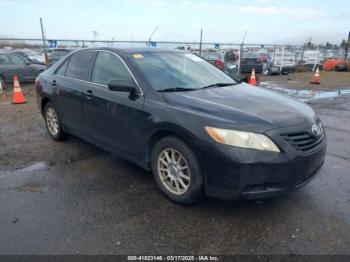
(61, 71)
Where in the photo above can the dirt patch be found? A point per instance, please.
(24, 139)
(31, 188)
(329, 80)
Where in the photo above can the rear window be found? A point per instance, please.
(211, 56)
(250, 55)
(79, 65)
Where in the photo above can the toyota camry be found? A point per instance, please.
(199, 131)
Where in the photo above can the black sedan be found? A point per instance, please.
(200, 131)
(13, 64)
(251, 60)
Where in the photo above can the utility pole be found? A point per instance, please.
(44, 45)
(200, 43)
(241, 52)
(347, 47)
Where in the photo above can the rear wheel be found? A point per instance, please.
(176, 171)
(53, 123)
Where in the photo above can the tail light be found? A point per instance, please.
(219, 63)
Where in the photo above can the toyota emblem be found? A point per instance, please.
(316, 130)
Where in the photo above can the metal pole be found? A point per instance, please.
(44, 45)
(316, 58)
(282, 57)
(347, 47)
(200, 43)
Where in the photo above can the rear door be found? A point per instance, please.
(113, 118)
(69, 83)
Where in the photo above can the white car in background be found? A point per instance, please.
(310, 56)
(283, 62)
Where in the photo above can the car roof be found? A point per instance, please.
(131, 50)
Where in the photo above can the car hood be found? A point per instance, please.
(242, 106)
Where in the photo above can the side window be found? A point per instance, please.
(5, 59)
(62, 70)
(17, 60)
(79, 65)
(108, 66)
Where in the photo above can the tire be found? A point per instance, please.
(193, 180)
(53, 123)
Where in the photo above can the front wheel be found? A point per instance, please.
(53, 123)
(177, 171)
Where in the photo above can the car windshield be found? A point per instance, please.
(165, 70)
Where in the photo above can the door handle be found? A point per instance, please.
(53, 82)
(89, 94)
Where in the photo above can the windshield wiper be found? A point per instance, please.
(219, 85)
(176, 89)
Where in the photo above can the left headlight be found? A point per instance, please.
(242, 139)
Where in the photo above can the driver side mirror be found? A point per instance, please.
(28, 63)
(122, 85)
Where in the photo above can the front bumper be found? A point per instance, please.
(232, 173)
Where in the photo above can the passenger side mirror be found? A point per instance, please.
(122, 85)
(28, 63)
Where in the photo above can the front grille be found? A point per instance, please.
(304, 142)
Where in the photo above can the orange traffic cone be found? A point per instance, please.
(252, 80)
(316, 77)
(18, 97)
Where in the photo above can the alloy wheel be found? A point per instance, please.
(173, 171)
(52, 121)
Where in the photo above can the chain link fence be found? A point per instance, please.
(232, 57)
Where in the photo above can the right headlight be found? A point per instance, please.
(242, 139)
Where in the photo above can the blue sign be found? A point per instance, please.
(52, 43)
(153, 44)
(217, 46)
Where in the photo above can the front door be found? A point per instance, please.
(113, 118)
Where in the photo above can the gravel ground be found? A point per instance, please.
(73, 198)
(329, 80)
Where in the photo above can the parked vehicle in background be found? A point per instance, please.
(215, 58)
(333, 54)
(200, 131)
(30, 58)
(231, 60)
(264, 57)
(312, 56)
(57, 54)
(282, 61)
(249, 61)
(13, 64)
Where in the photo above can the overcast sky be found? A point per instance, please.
(267, 21)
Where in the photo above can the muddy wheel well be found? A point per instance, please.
(158, 136)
